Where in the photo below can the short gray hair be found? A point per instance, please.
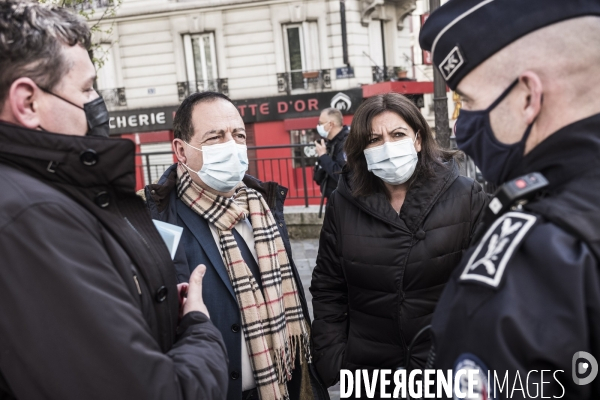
(335, 115)
(31, 40)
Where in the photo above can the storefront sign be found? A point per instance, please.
(146, 120)
(297, 106)
(252, 110)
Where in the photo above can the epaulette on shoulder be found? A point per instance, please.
(498, 245)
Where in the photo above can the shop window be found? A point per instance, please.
(304, 136)
(201, 61)
(302, 52)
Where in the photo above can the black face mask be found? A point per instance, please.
(96, 115)
(474, 136)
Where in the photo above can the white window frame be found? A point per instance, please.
(189, 57)
(107, 74)
(287, 46)
(376, 49)
(310, 36)
(305, 34)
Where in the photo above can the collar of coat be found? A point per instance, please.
(160, 192)
(565, 156)
(569, 160)
(80, 161)
(420, 198)
(341, 136)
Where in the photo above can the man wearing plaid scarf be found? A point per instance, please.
(234, 225)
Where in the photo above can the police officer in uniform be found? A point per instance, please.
(523, 307)
(332, 157)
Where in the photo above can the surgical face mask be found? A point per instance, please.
(393, 162)
(474, 136)
(224, 165)
(321, 130)
(96, 115)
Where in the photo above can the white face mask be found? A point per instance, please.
(224, 165)
(393, 162)
(321, 130)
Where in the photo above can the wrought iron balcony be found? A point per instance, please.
(308, 80)
(388, 74)
(184, 89)
(114, 97)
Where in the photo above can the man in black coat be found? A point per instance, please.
(523, 307)
(331, 153)
(90, 306)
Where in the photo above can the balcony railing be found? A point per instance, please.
(308, 80)
(290, 165)
(184, 89)
(114, 97)
(388, 74)
(90, 4)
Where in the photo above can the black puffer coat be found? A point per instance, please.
(379, 274)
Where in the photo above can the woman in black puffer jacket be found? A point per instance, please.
(394, 230)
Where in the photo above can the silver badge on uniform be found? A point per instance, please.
(488, 261)
(453, 61)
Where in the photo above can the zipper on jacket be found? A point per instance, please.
(135, 278)
(137, 284)
(136, 231)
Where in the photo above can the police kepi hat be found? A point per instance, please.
(463, 33)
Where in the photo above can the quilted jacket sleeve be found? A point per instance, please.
(479, 202)
(330, 303)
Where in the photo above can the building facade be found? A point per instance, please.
(280, 61)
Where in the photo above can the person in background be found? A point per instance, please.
(233, 223)
(90, 306)
(331, 153)
(394, 231)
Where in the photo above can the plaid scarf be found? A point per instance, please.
(273, 322)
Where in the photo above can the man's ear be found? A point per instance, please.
(535, 94)
(179, 150)
(23, 103)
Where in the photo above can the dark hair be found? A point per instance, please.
(362, 181)
(31, 40)
(182, 123)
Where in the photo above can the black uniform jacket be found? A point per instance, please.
(87, 287)
(333, 161)
(379, 274)
(527, 296)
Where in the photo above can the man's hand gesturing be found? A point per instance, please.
(193, 301)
